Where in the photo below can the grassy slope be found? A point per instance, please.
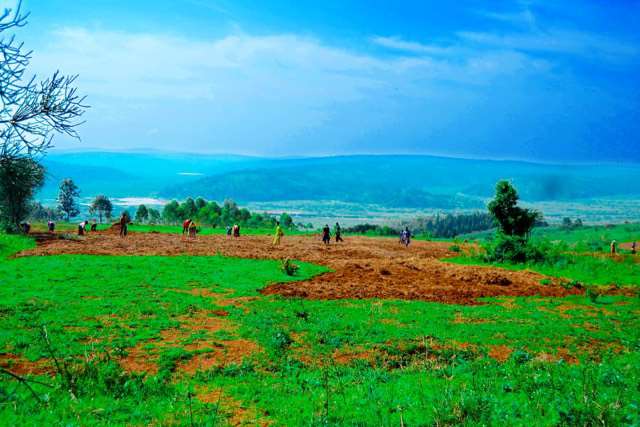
(432, 363)
(584, 256)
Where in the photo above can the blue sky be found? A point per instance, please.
(549, 80)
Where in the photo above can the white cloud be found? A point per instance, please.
(556, 41)
(397, 43)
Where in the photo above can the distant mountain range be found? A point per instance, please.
(393, 181)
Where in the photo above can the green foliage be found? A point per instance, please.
(289, 268)
(67, 198)
(513, 220)
(426, 367)
(38, 212)
(514, 249)
(19, 179)
(102, 206)
(142, 214)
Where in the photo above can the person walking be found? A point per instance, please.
(406, 236)
(326, 235)
(51, 226)
(338, 233)
(633, 248)
(614, 245)
(124, 224)
(278, 235)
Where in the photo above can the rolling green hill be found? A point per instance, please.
(397, 181)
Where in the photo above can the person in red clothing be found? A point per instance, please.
(185, 226)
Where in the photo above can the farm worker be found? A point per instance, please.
(82, 228)
(228, 232)
(124, 224)
(26, 227)
(51, 226)
(94, 226)
(407, 236)
(278, 235)
(193, 229)
(338, 232)
(613, 247)
(326, 235)
(185, 226)
(633, 248)
(236, 230)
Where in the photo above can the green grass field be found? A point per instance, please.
(595, 238)
(512, 361)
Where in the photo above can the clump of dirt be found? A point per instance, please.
(362, 267)
(20, 366)
(224, 353)
(501, 353)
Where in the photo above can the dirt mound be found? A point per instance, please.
(362, 267)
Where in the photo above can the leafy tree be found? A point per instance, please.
(567, 223)
(512, 219)
(171, 212)
(102, 206)
(67, 198)
(19, 178)
(142, 214)
(38, 212)
(188, 209)
(286, 220)
(32, 112)
(154, 216)
(200, 203)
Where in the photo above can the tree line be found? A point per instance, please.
(439, 226)
(201, 211)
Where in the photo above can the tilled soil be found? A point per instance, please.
(361, 267)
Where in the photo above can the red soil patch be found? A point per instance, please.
(213, 352)
(346, 356)
(362, 267)
(228, 352)
(501, 353)
(21, 366)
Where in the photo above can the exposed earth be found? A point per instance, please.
(361, 267)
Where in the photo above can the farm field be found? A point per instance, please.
(156, 329)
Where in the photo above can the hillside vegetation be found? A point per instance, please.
(393, 181)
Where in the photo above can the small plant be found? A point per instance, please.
(289, 268)
(572, 284)
(546, 282)
(281, 340)
(455, 248)
(593, 294)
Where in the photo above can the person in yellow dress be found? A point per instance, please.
(278, 235)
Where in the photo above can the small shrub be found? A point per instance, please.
(455, 248)
(514, 249)
(572, 284)
(281, 340)
(593, 294)
(289, 268)
(521, 357)
(546, 282)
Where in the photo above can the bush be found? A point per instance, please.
(289, 268)
(515, 249)
(455, 248)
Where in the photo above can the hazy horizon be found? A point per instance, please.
(516, 80)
